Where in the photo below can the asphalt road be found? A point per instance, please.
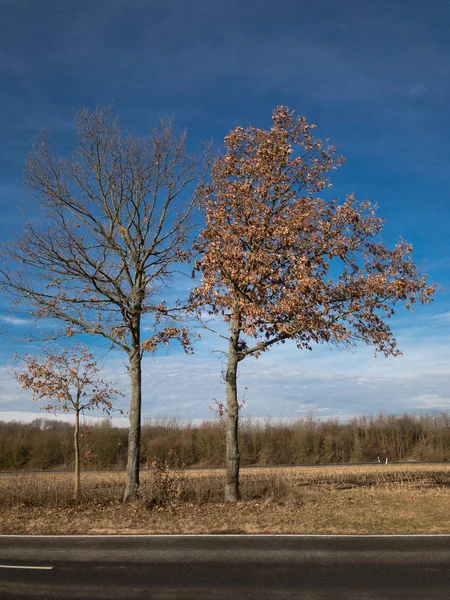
(225, 567)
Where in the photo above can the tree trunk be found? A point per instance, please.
(76, 443)
(232, 420)
(134, 435)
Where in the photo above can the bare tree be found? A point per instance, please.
(112, 223)
(67, 381)
(279, 262)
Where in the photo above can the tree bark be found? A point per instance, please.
(134, 435)
(76, 443)
(232, 494)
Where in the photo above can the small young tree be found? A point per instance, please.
(68, 382)
(112, 225)
(279, 262)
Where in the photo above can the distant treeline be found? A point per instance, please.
(45, 444)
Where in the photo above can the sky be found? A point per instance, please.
(375, 77)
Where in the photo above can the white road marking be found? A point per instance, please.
(25, 567)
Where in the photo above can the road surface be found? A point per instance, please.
(225, 567)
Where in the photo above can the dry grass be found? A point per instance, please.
(362, 499)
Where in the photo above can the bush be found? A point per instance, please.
(164, 486)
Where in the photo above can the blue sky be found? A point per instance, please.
(374, 75)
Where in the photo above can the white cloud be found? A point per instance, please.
(445, 316)
(29, 416)
(283, 382)
(15, 321)
(287, 382)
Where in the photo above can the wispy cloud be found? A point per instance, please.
(441, 316)
(283, 383)
(15, 321)
(28, 416)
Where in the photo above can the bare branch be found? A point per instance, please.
(113, 225)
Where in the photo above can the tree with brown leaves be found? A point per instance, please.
(67, 382)
(112, 226)
(279, 262)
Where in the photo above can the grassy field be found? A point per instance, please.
(347, 499)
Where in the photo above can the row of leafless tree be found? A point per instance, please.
(275, 256)
(47, 445)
